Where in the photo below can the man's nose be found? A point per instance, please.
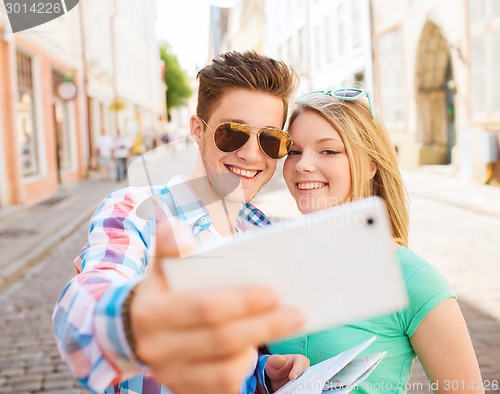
(250, 152)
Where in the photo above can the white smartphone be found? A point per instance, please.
(338, 265)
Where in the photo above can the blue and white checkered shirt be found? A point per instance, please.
(87, 318)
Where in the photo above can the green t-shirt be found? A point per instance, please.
(426, 287)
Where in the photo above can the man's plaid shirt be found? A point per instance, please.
(87, 318)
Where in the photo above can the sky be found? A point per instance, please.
(184, 24)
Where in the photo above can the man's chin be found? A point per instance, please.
(240, 196)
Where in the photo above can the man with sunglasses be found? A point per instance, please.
(117, 323)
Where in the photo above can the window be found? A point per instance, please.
(391, 78)
(478, 77)
(477, 12)
(61, 124)
(356, 24)
(317, 41)
(302, 50)
(496, 8)
(291, 55)
(341, 29)
(25, 116)
(496, 71)
(485, 58)
(328, 41)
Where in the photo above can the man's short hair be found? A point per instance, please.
(248, 70)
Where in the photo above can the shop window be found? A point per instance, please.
(485, 58)
(25, 117)
(61, 118)
(391, 78)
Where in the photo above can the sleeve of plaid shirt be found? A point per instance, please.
(87, 318)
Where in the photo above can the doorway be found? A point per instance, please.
(435, 88)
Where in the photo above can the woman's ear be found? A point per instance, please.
(373, 169)
(197, 128)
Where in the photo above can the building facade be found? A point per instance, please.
(328, 42)
(125, 91)
(245, 26)
(437, 81)
(433, 68)
(43, 141)
(109, 51)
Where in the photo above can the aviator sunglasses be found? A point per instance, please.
(231, 136)
(347, 94)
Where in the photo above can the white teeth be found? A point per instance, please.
(310, 185)
(243, 173)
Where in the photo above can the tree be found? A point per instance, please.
(178, 89)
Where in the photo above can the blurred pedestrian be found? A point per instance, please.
(122, 150)
(104, 147)
(137, 146)
(148, 139)
(166, 138)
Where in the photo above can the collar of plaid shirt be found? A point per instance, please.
(190, 208)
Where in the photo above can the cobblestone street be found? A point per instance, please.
(30, 362)
(462, 244)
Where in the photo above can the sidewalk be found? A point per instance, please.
(27, 233)
(471, 195)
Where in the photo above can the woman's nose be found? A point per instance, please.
(305, 163)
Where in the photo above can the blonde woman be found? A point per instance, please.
(341, 152)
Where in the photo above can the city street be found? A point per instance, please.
(99, 95)
(29, 360)
(461, 243)
(464, 246)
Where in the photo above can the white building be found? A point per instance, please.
(123, 65)
(433, 67)
(327, 41)
(245, 26)
(438, 81)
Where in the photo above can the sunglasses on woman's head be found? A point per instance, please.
(231, 136)
(347, 94)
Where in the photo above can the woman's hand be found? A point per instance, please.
(280, 369)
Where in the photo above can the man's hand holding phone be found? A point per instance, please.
(202, 341)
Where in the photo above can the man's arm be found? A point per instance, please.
(87, 317)
(203, 341)
(192, 342)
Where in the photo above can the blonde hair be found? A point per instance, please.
(367, 142)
